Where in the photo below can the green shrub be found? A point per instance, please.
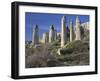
(55, 43)
(66, 51)
(75, 47)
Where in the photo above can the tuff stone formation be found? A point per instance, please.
(35, 39)
(51, 34)
(78, 30)
(45, 37)
(67, 34)
(63, 31)
(55, 34)
(71, 31)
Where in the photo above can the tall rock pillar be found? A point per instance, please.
(78, 30)
(35, 39)
(63, 31)
(55, 38)
(51, 34)
(71, 31)
(45, 37)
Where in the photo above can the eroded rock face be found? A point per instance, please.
(63, 31)
(51, 34)
(45, 38)
(78, 30)
(71, 31)
(35, 38)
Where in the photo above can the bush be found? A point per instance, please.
(75, 47)
(66, 50)
(55, 43)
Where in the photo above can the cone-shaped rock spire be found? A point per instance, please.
(51, 34)
(71, 31)
(78, 30)
(63, 31)
(35, 39)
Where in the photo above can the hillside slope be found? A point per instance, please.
(46, 55)
(75, 53)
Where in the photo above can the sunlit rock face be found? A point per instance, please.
(51, 34)
(63, 31)
(78, 30)
(45, 37)
(71, 31)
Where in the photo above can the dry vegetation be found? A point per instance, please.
(46, 55)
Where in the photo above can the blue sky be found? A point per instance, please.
(45, 20)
